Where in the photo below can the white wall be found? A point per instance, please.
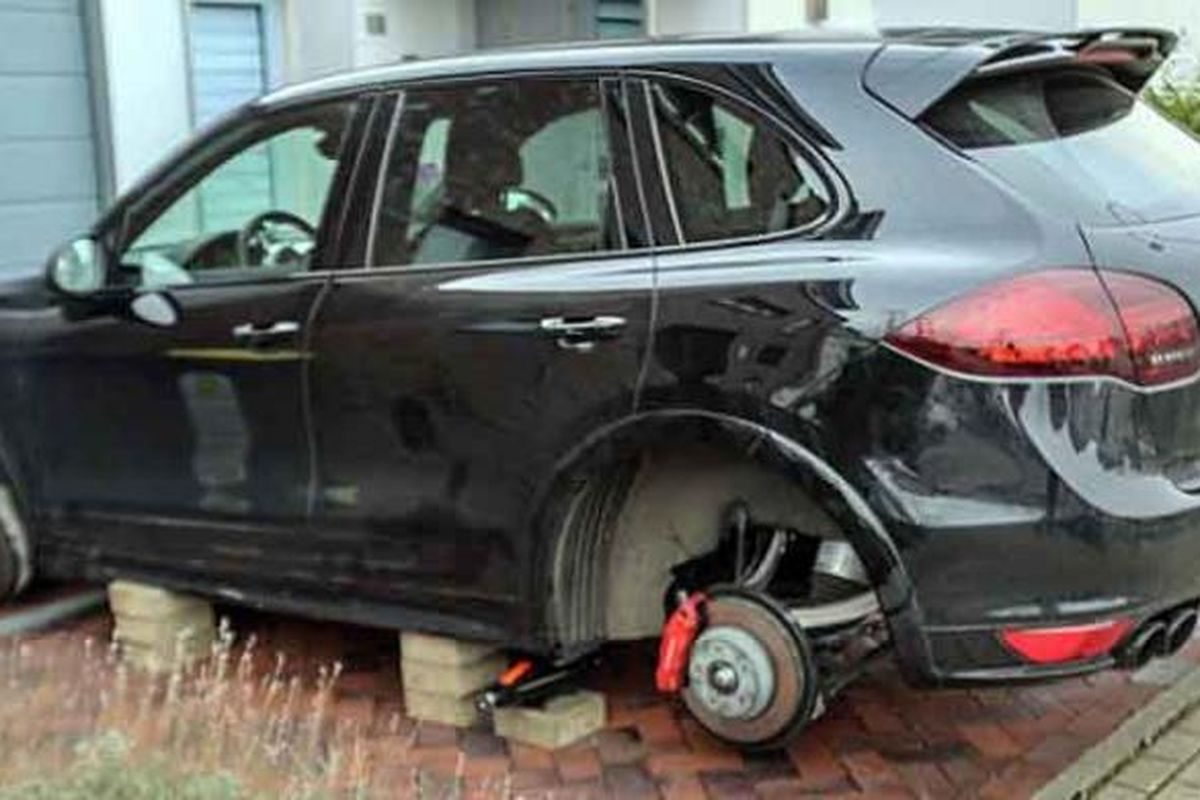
(427, 28)
(696, 16)
(1179, 15)
(775, 15)
(146, 61)
(1038, 14)
(318, 38)
(851, 14)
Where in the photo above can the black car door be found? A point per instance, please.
(503, 314)
(186, 446)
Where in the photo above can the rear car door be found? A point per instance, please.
(504, 313)
(186, 445)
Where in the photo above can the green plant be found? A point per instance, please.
(105, 770)
(1181, 102)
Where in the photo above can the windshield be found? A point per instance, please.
(1077, 141)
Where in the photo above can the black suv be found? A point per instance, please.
(803, 346)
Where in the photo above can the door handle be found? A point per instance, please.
(581, 334)
(251, 333)
(592, 326)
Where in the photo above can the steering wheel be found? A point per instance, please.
(255, 235)
(533, 200)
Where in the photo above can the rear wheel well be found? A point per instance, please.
(627, 523)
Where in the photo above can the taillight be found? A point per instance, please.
(1062, 322)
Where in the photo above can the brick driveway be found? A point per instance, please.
(880, 740)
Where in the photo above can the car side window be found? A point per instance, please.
(731, 174)
(500, 169)
(250, 204)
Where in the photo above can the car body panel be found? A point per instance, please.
(439, 423)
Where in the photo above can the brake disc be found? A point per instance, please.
(752, 678)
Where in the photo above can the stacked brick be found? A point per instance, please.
(159, 630)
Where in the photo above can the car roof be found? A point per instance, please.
(583, 55)
(910, 67)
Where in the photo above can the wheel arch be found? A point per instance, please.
(576, 513)
(15, 531)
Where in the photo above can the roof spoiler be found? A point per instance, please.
(919, 66)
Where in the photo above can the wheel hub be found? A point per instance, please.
(731, 674)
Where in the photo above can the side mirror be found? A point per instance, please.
(77, 269)
(157, 309)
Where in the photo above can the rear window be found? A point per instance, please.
(1077, 142)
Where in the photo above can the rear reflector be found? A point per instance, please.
(1059, 645)
(1058, 323)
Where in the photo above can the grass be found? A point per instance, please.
(77, 722)
(1180, 101)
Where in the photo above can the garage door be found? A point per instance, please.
(228, 67)
(48, 187)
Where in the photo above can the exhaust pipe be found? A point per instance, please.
(1180, 627)
(1150, 641)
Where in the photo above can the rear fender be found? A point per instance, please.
(613, 449)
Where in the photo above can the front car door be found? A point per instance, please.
(186, 447)
(504, 313)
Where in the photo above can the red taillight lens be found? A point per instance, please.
(1059, 645)
(1060, 323)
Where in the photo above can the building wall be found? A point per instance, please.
(318, 38)
(697, 16)
(1180, 15)
(1039, 14)
(146, 67)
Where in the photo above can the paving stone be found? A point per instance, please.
(137, 600)
(901, 742)
(629, 782)
(559, 722)
(1177, 791)
(159, 630)
(1190, 774)
(1114, 792)
(458, 711)
(424, 648)
(1145, 774)
(456, 680)
(1175, 745)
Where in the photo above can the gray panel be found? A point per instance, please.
(41, 42)
(30, 231)
(48, 187)
(37, 106)
(227, 58)
(36, 170)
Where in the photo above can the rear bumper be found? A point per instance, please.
(1024, 507)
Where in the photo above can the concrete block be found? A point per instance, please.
(136, 600)
(559, 722)
(444, 708)
(441, 650)
(160, 630)
(454, 681)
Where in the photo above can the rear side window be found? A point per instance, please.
(731, 174)
(1078, 143)
(496, 170)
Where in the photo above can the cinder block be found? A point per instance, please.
(561, 721)
(198, 630)
(163, 656)
(160, 630)
(444, 708)
(442, 650)
(136, 600)
(453, 681)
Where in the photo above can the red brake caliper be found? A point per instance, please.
(679, 632)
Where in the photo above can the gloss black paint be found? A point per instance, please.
(407, 452)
